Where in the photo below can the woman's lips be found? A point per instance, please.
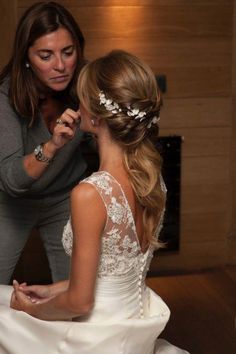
(60, 78)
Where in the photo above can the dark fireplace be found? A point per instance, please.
(170, 149)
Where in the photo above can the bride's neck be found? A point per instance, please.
(110, 154)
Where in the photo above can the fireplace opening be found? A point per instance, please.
(170, 150)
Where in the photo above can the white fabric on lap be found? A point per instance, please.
(5, 294)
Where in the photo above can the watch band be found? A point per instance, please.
(39, 155)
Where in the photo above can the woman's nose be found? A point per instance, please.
(59, 64)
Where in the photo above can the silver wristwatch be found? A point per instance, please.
(39, 155)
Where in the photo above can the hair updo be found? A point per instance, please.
(131, 85)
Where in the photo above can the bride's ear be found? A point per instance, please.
(95, 121)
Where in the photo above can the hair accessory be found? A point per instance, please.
(108, 103)
(154, 120)
(136, 113)
(114, 108)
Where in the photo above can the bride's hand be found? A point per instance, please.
(20, 302)
(36, 293)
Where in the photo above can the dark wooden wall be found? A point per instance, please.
(191, 42)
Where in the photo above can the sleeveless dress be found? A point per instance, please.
(127, 316)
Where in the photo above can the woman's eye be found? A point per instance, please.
(69, 53)
(45, 57)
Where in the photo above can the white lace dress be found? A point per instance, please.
(127, 316)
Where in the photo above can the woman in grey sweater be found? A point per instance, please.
(40, 154)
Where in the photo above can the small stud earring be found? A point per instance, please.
(27, 65)
(92, 122)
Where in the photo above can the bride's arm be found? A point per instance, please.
(88, 215)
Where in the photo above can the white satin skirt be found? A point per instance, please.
(21, 333)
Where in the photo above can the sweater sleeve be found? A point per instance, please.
(13, 178)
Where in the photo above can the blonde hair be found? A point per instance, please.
(129, 82)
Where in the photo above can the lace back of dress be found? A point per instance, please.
(119, 240)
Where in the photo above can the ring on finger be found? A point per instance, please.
(59, 121)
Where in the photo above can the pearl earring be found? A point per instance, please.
(92, 122)
(27, 65)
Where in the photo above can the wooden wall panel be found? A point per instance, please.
(196, 112)
(209, 170)
(7, 26)
(191, 43)
(169, 52)
(204, 226)
(194, 256)
(96, 3)
(151, 19)
(214, 141)
(232, 234)
(205, 198)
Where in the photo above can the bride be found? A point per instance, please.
(116, 217)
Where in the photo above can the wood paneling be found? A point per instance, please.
(204, 226)
(196, 112)
(214, 141)
(7, 27)
(206, 172)
(183, 19)
(95, 3)
(170, 52)
(232, 236)
(205, 198)
(192, 256)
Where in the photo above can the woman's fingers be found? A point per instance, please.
(69, 118)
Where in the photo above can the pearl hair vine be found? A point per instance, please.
(114, 108)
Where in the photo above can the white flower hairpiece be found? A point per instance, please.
(114, 108)
(108, 103)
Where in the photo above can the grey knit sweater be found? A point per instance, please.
(17, 140)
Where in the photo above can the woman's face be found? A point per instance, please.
(53, 58)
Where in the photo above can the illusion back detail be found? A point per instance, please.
(120, 250)
(121, 253)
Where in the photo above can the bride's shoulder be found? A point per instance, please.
(83, 191)
(91, 188)
(86, 201)
(101, 180)
(97, 177)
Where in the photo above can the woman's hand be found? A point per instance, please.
(63, 132)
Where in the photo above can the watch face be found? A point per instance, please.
(37, 150)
